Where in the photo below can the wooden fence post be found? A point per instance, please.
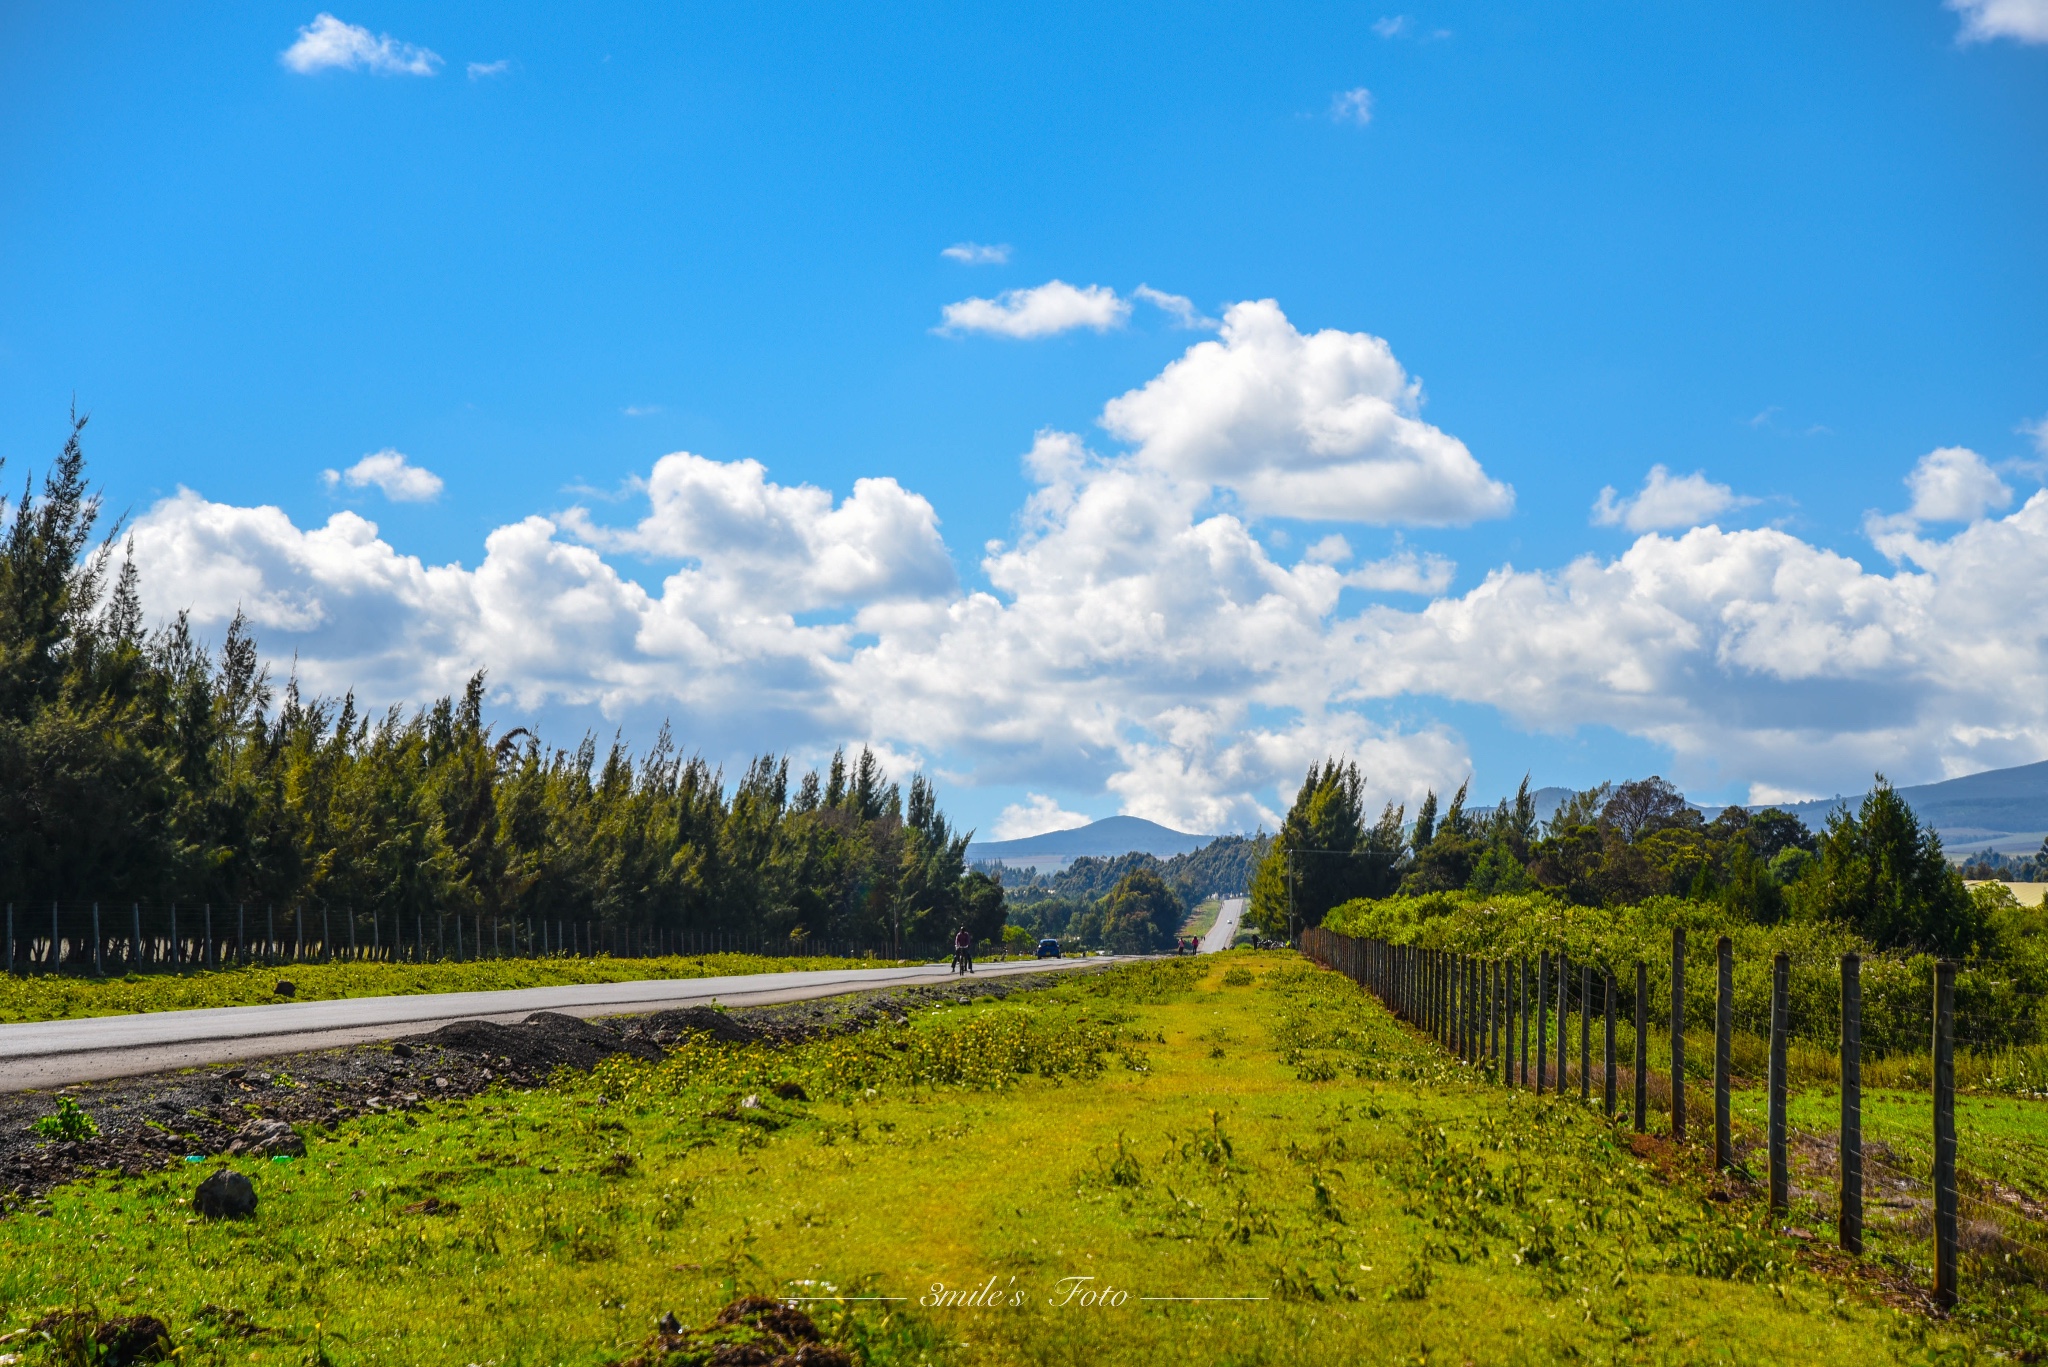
(1642, 1098)
(1475, 1014)
(1607, 1000)
(1585, 1033)
(134, 938)
(1945, 1134)
(98, 967)
(1781, 1180)
(1507, 1023)
(1522, 1009)
(1542, 1019)
(1469, 978)
(1493, 1010)
(1724, 1034)
(209, 961)
(1562, 967)
(1451, 1004)
(1677, 1033)
(1442, 999)
(1850, 1227)
(1460, 1006)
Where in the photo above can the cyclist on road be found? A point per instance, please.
(963, 951)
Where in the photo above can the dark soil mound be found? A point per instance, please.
(544, 1041)
(81, 1336)
(754, 1331)
(671, 1027)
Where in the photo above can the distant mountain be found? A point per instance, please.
(1548, 800)
(1111, 836)
(2005, 809)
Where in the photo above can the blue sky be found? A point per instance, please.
(1795, 249)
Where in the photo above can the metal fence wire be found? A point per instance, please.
(1556, 1026)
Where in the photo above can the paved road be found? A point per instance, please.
(59, 1053)
(1225, 930)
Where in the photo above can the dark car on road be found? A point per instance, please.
(1048, 949)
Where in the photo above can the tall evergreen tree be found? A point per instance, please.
(1325, 853)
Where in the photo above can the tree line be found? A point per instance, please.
(140, 764)
(1618, 867)
(1877, 870)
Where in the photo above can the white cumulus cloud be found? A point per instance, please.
(1755, 653)
(1322, 426)
(479, 70)
(329, 43)
(1955, 484)
(1137, 639)
(1036, 815)
(1666, 501)
(1040, 311)
(977, 253)
(1404, 572)
(2025, 21)
(746, 543)
(392, 474)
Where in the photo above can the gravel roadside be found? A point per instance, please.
(149, 1122)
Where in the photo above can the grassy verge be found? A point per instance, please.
(1202, 917)
(62, 997)
(1024, 1174)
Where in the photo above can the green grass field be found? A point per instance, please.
(61, 997)
(1033, 1178)
(1202, 916)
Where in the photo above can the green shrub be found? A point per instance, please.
(68, 1122)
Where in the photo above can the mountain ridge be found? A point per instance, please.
(1108, 837)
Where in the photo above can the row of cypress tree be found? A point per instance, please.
(140, 764)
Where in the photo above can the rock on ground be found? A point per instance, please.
(225, 1195)
(267, 1139)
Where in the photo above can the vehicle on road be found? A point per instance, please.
(1048, 948)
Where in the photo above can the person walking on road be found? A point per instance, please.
(963, 951)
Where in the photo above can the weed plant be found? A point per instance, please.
(1048, 1178)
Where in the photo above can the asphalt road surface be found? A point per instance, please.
(1225, 930)
(60, 1053)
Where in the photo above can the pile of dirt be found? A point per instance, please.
(123, 1341)
(666, 1028)
(543, 1042)
(754, 1331)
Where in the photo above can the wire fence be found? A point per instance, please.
(1556, 1026)
(96, 939)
